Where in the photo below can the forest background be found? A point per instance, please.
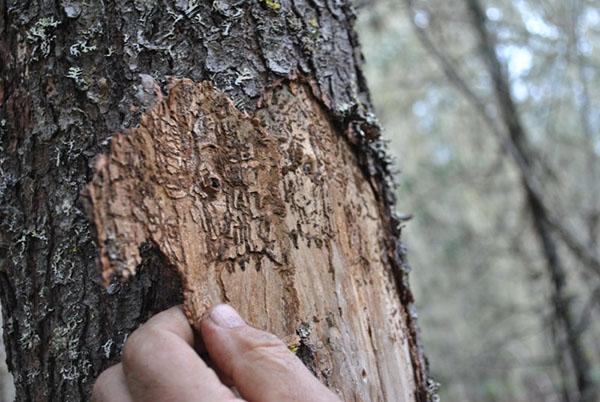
(488, 302)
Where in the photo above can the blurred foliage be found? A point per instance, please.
(481, 288)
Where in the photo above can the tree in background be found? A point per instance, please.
(538, 165)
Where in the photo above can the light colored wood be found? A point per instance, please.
(269, 213)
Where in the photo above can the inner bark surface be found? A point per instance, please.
(268, 212)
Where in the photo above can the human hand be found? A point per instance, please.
(161, 364)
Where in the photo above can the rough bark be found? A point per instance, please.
(306, 239)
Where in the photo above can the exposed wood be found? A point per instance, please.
(269, 213)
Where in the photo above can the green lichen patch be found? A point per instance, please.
(272, 4)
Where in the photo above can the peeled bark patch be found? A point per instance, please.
(269, 213)
(199, 179)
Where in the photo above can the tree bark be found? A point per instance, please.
(225, 151)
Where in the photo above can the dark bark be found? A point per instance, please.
(563, 305)
(72, 73)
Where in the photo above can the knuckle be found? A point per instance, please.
(101, 386)
(266, 347)
(265, 342)
(265, 338)
(131, 347)
(140, 343)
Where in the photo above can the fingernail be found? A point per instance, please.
(225, 316)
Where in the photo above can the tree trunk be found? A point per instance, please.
(225, 151)
(563, 305)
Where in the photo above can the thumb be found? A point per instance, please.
(259, 364)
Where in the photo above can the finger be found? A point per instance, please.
(222, 376)
(160, 363)
(111, 386)
(259, 364)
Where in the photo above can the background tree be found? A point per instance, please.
(266, 187)
(449, 121)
